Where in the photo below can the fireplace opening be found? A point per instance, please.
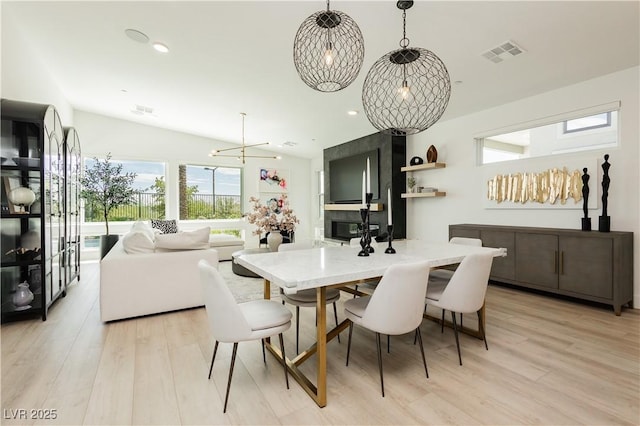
(347, 230)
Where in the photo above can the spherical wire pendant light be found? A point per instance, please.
(328, 50)
(406, 91)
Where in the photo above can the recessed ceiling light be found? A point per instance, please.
(136, 35)
(162, 48)
(352, 112)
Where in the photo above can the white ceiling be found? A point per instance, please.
(236, 56)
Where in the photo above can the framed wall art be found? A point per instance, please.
(273, 180)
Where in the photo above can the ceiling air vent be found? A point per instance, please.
(289, 143)
(505, 50)
(142, 110)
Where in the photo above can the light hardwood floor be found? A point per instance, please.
(549, 361)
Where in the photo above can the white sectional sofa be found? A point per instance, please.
(137, 278)
(225, 244)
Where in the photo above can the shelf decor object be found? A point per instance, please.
(604, 221)
(432, 154)
(586, 220)
(406, 91)
(22, 197)
(328, 50)
(243, 148)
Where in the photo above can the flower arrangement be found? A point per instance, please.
(275, 215)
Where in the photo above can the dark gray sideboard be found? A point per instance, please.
(595, 266)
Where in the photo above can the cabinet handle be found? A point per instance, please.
(555, 262)
(561, 262)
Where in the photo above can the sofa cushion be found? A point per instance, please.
(165, 226)
(193, 240)
(141, 226)
(138, 242)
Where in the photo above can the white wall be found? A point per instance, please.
(126, 140)
(465, 182)
(24, 77)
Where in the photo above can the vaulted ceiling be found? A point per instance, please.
(228, 57)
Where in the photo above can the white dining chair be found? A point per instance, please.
(233, 322)
(439, 278)
(465, 292)
(306, 298)
(394, 308)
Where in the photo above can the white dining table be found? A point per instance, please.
(337, 266)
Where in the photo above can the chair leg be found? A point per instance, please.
(424, 360)
(388, 344)
(297, 327)
(335, 315)
(380, 362)
(442, 323)
(481, 328)
(233, 361)
(349, 341)
(215, 350)
(264, 356)
(461, 326)
(284, 360)
(455, 332)
(354, 296)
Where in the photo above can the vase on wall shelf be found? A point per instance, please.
(432, 154)
(274, 239)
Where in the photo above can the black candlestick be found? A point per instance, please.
(390, 250)
(369, 198)
(363, 239)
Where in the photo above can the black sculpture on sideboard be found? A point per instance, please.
(605, 220)
(586, 220)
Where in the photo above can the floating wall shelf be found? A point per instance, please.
(424, 194)
(425, 166)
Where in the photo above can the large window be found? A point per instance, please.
(148, 203)
(209, 192)
(592, 128)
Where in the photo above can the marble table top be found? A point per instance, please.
(317, 267)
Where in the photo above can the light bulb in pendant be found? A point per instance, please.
(328, 55)
(404, 90)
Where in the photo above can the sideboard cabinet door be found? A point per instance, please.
(586, 266)
(537, 259)
(502, 267)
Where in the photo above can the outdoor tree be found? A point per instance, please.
(105, 186)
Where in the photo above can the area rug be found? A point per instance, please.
(245, 288)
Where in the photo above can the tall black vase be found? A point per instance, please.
(107, 242)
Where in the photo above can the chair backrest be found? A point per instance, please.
(397, 305)
(466, 241)
(299, 245)
(467, 287)
(226, 320)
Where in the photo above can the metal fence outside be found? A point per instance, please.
(149, 205)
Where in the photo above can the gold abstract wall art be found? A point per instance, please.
(548, 186)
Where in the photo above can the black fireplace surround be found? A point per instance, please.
(392, 153)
